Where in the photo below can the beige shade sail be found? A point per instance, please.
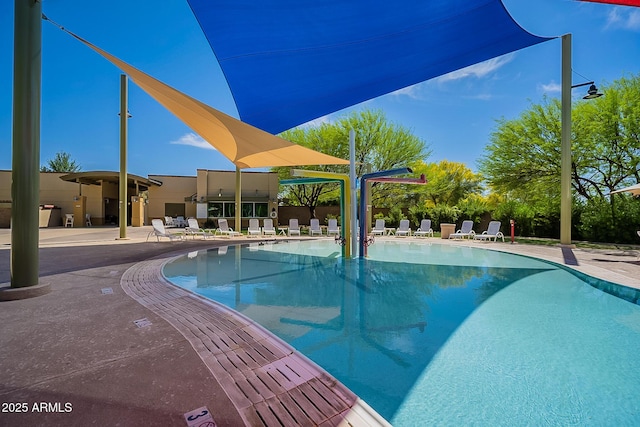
(246, 146)
(634, 189)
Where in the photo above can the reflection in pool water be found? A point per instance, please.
(431, 334)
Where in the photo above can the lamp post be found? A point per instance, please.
(565, 153)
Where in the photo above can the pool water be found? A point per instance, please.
(431, 334)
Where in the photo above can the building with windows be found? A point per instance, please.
(208, 195)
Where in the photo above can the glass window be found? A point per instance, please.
(262, 210)
(215, 210)
(229, 209)
(247, 210)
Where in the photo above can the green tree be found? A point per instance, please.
(380, 145)
(522, 160)
(62, 162)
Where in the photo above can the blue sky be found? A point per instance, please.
(454, 114)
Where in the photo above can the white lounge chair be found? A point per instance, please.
(193, 229)
(294, 227)
(403, 228)
(333, 228)
(466, 230)
(267, 227)
(225, 230)
(425, 229)
(159, 231)
(170, 222)
(378, 229)
(314, 228)
(492, 232)
(254, 228)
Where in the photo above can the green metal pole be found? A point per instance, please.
(123, 156)
(238, 225)
(565, 154)
(25, 176)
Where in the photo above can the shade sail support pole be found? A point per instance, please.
(238, 224)
(25, 170)
(123, 156)
(354, 192)
(565, 154)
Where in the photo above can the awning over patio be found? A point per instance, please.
(98, 177)
(288, 62)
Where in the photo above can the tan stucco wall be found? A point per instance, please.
(54, 191)
(174, 189)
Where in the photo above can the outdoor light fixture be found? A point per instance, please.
(592, 93)
(220, 193)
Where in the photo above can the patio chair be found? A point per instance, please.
(68, 222)
(180, 222)
(466, 230)
(87, 220)
(378, 229)
(315, 227)
(294, 227)
(169, 222)
(333, 228)
(492, 232)
(159, 231)
(193, 229)
(225, 230)
(254, 227)
(425, 229)
(403, 229)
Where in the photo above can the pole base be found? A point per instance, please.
(7, 293)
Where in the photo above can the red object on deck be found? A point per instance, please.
(513, 231)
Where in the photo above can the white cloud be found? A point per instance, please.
(412, 91)
(193, 140)
(620, 17)
(477, 70)
(550, 87)
(317, 122)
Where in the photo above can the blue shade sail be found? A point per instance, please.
(288, 62)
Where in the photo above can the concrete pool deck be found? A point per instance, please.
(79, 345)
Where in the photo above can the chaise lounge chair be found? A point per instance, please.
(425, 229)
(193, 229)
(465, 231)
(294, 227)
(333, 228)
(378, 229)
(314, 228)
(160, 231)
(403, 229)
(492, 232)
(225, 230)
(254, 228)
(267, 227)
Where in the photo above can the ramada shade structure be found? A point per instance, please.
(291, 61)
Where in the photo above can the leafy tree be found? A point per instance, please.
(62, 162)
(522, 161)
(380, 145)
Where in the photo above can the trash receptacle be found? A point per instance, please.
(446, 230)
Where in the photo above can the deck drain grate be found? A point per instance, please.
(141, 323)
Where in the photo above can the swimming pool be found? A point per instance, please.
(431, 334)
